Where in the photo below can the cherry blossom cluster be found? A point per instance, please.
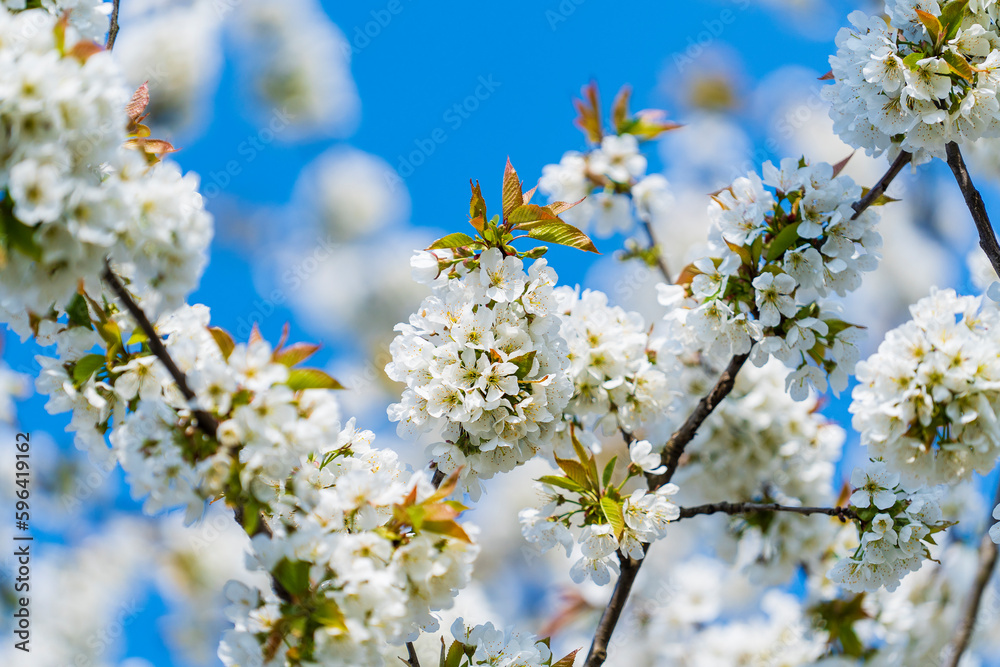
(279, 451)
(773, 258)
(896, 528)
(620, 380)
(73, 194)
(786, 452)
(927, 400)
(613, 179)
(927, 76)
(364, 552)
(610, 178)
(271, 416)
(88, 17)
(299, 65)
(487, 645)
(485, 368)
(609, 520)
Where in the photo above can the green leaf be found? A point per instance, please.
(328, 614)
(561, 482)
(951, 17)
(512, 197)
(743, 251)
(449, 528)
(911, 60)
(613, 513)
(19, 236)
(110, 332)
(456, 240)
(78, 312)
(525, 215)
(755, 249)
(567, 661)
(562, 233)
(881, 200)
(138, 336)
(585, 457)
(223, 340)
(293, 575)
(311, 378)
(86, 366)
(932, 24)
(455, 654)
(524, 363)
(783, 241)
(575, 471)
(609, 470)
(294, 355)
(959, 65)
(477, 205)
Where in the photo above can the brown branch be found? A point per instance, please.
(678, 441)
(674, 448)
(206, 422)
(655, 247)
(411, 654)
(113, 29)
(879, 188)
(609, 619)
(842, 513)
(987, 561)
(987, 237)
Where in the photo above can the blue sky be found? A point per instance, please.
(451, 89)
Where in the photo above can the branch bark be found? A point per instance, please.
(842, 513)
(987, 237)
(113, 28)
(879, 188)
(987, 562)
(609, 619)
(206, 422)
(411, 656)
(674, 449)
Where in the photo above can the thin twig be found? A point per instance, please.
(674, 448)
(987, 237)
(411, 653)
(206, 422)
(879, 188)
(678, 441)
(654, 246)
(987, 561)
(113, 29)
(842, 513)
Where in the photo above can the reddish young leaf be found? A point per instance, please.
(619, 110)
(512, 197)
(589, 110)
(839, 167)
